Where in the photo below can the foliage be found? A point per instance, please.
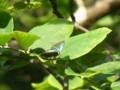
(80, 60)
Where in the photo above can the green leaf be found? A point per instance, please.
(4, 38)
(107, 68)
(74, 83)
(42, 86)
(112, 78)
(115, 85)
(52, 32)
(69, 71)
(9, 28)
(6, 23)
(53, 82)
(80, 45)
(24, 39)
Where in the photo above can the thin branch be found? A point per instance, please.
(76, 26)
(66, 78)
(71, 10)
(66, 82)
(81, 28)
(55, 8)
(51, 71)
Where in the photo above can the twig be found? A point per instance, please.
(73, 17)
(66, 82)
(66, 78)
(71, 10)
(81, 28)
(55, 9)
(51, 71)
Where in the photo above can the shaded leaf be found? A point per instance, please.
(80, 45)
(20, 5)
(12, 58)
(17, 64)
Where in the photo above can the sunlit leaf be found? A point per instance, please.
(52, 32)
(9, 28)
(80, 45)
(24, 39)
(53, 82)
(43, 86)
(74, 83)
(4, 38)
(115, 85)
